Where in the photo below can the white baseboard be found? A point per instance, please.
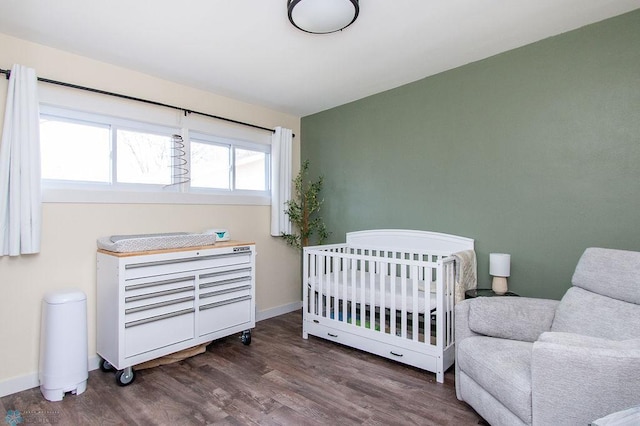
(17, 384)
(29, 381)
(279, 310)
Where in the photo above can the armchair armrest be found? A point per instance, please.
(576, 379)
(516, 318)
(462, 330)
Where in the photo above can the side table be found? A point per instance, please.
(485, 292)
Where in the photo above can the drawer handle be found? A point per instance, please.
(189, 259)
(155, 283)
(396, 354)
(332, 335)
(223, 282)
(158, 318)
(224, 302)
(217, 274)
(225, 291)
(158, 305)
(158, 294)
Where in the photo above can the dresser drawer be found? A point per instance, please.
(223, 276)
(154, 287)
(224, 314)
(170, 266)
(148, 301)
(133, 316)
(155, 333)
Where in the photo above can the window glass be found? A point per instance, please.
(143, 157)
(210, 165)
(250, 168)
(74, 151)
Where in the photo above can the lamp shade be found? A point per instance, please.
(499, 264)
(322, 16)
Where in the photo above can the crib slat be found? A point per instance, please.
(403, 299)
(415, 326)
(314, 273)
(306, 293)
(384, 275)
(320, 289)
(440, 309)
(335, 293)
(343, 270)
(426, 320)
(352, 268)
(372, 296)
(362, 287)
(325, 284)
(392, 308)
(314, 285)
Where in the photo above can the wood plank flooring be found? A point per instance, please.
(280, 379)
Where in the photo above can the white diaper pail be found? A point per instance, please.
(64, 363)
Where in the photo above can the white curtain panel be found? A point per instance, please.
(281, 146)
(20, 200)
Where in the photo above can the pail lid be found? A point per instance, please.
(64, 296)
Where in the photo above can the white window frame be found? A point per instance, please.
(55, 191)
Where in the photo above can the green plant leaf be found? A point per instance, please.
(303, 210)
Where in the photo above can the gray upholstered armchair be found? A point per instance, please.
(525, 361)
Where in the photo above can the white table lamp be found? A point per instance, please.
(500, 269)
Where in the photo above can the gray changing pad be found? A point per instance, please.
(146, 242)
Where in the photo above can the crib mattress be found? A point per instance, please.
(137, 243)
(336, 288)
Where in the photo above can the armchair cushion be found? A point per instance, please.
(591, 314)
(502, 368)
(576, 379)
(516, 318)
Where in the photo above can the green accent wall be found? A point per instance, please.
(534, 152)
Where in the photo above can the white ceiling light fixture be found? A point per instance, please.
(322, 16)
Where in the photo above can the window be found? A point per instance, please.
(223, 164)
(83, 151)
(74, 150)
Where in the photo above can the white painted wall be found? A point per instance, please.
(67, 258)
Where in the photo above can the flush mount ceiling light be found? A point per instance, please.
(322, 16)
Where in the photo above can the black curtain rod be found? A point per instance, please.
(146, 101)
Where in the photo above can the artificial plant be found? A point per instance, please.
(303, 210)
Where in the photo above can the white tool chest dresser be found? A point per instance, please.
(151, 304)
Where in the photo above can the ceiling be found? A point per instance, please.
(248, 50)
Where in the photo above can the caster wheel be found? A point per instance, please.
(106, 366)
(246, 337)
(125, 377)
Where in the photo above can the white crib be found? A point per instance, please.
(389, 292)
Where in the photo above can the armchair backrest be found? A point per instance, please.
(609, 272)
(605, 298)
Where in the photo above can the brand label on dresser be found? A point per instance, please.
(237, 249)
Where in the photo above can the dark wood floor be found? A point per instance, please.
(279, 379)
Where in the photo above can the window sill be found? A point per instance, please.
(57, 195)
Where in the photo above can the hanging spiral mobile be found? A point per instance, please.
(179, 161)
